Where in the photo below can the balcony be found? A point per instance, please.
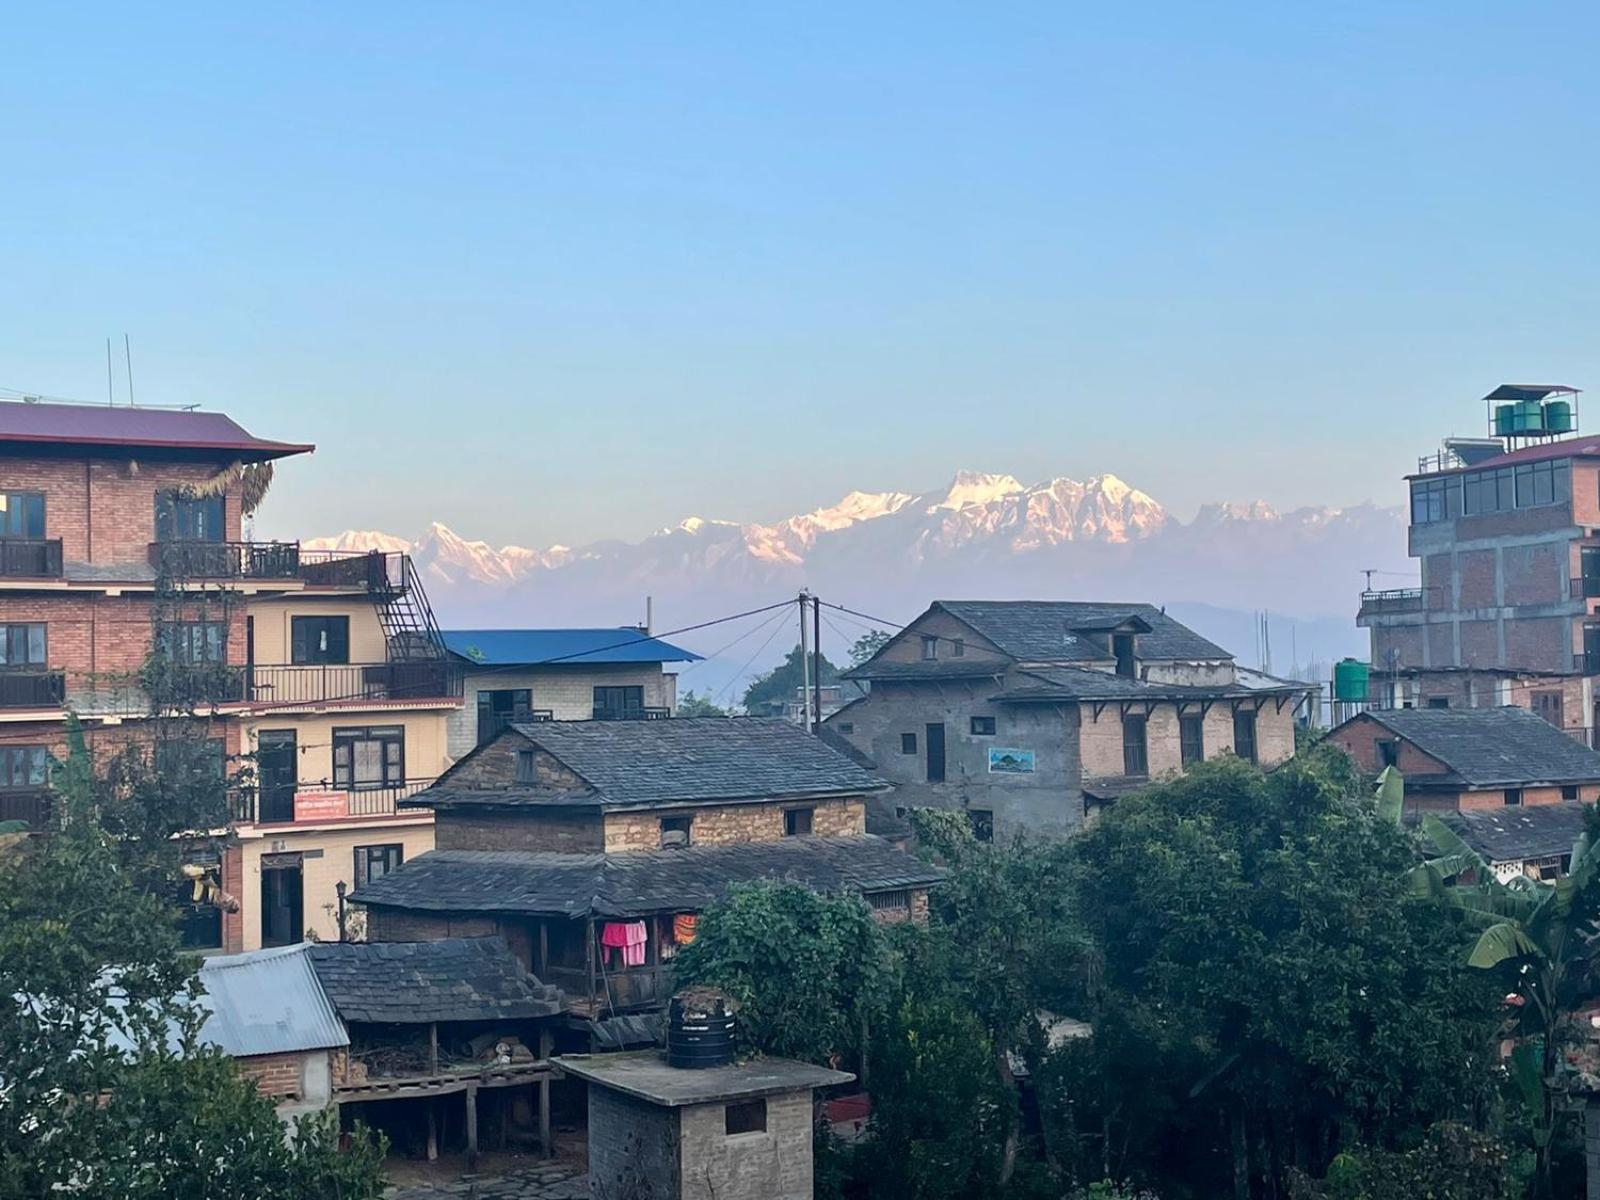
(35, 805)
(324, 683)
(20, 688)
(613, 990)
(379, 572)
(30, 558)
(1392, 601)
(608, 713)
(226, 560)
(1584, 587)
(277, 806)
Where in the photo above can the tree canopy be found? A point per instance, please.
(780, 685)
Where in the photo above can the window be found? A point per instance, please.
(908, 743)
(1438, 701)
(29, 766)
(675, 830)
(189, 518)
(935, 735)
(198, 760)
(982, 726)
(747, 1116)
(199, 921)
(499, 707)
(374, 862)
(1388, 752)
(846, 727)
(930, 647)
(1244, 735)
(370, 758)
(22, 645)
(889, 901)
(21, 514)
(1135, 746)
(1122, 651)
(797, 822)
(526, 771)
(1549, 706)
(1513, 797)
(618, 703)
(319, 639)
(1191, 740)
(1430, 500)
(958, 648)
(1530, 485)
(982, 823)
(194, 641)
(1569, 792)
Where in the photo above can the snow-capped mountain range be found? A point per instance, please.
(982, 535)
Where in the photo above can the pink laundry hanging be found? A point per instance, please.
(633, 947)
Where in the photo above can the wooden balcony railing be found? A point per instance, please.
(333, 682)
(30, 558)
(615, 990)
(377, 571)
(32, 689)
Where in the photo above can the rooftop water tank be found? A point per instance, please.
(1350, 681)
(700, 1029)
(1558, 417)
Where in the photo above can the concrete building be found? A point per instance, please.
(559, 675)
(736, 1132)
(1466, 759)
(592, 846)
(1031, 715)
(1506, 533)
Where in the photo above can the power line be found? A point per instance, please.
(777, 624)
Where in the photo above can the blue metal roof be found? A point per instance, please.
(267, 1002)
(511, 647)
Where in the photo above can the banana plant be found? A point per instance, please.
(1545, 934)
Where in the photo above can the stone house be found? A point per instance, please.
(1472, 758)
(559, 675)
(591, 846)
(1031, 715)
(1531, 840)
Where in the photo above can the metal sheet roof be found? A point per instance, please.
(531, 647)
(267, 1002)
(149, 428)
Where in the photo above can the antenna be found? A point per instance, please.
(110, 399)
(127, 353)
(1369, 572)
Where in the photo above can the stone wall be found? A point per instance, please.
(726, 824)
(564, 833)
(633, 1148)
(774, 1164)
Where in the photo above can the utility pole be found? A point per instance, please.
(805, 667)
(816, 674)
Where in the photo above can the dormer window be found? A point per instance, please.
(930, 648)
(1122, 650)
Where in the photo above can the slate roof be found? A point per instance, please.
(205, 435)
(688, 759)
(1037, 630)
(1492, 747)
(680, 879)
(416, 983)
(1520, 832)
(578, 647)
(267, 1002)
(888, 671)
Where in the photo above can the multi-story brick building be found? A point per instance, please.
(121, 531)
(590, 846)
(1506, 532)
(1031, 715)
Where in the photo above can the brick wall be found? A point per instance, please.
(722, 825)
(1359, 738)
(566, 833)
(633, 1148)
(771, 1165)
(276, 1075)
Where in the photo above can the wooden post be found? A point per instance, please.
(472, 1128)
(544, 950)
(433, 1132)
(433, 1047)
(545, 1046)
(590, 927)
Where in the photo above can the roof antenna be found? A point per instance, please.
(110, 399)
(127, 353)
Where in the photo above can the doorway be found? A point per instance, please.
(278, 766)
(935, 744)
(282, 900)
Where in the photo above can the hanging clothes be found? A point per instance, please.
(683, 928)
(614, 933)
(635, 936)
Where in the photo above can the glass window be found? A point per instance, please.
(189, 518)
(22, 645)
(24, 766)
(365, 759)
(958, 648)
(1135, 745)
(797, 822)
(983, 726)
(618, 703)
(930, 647)
(1513, 797)
(526, 771)
(21, 514)
(194, 641)
(908, 743)
(374, 862)
(1244, 735)
(1191, 740)
(319, 639)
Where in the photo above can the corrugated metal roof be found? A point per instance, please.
(153, 428)
(268, 1002)
(508, 647)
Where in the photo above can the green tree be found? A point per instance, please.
(781, 684)
(692, 705)
(868, 644)
(1453, 1162)
(808, 971)
(105, 1089)
(1259, 937)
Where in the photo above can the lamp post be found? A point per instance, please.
(339, 890)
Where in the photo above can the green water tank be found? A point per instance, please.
(1558, 417)
(1504, 420)
(1350, 681)
(1529, 417)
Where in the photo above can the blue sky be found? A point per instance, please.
(564, 272)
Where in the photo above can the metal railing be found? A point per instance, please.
(35, 805)
(606, 713)
(226, 560)
(30, 558)
(492, 725)
(315, 683)
(1394, 600)
(1584, 587)
(32, 689)
(381, 572)
(275, 805)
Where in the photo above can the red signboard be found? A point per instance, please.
(321, 806)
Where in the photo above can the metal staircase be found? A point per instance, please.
(409, 629)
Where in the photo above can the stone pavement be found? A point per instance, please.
(551, 1181)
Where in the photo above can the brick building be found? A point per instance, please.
(559, 675)
(1506, 533)
(1465, 759)
(1030, 715)
(562, 836)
